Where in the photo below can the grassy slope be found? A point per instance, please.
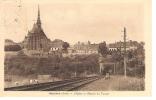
(116, 83)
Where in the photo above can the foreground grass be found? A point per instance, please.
(128, 84)
(116, 83)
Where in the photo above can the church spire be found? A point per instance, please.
(38, 18)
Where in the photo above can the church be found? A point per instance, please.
(36, 40)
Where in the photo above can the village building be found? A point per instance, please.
(86, 48)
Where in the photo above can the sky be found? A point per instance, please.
(74, 20)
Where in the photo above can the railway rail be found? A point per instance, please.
(66, 85)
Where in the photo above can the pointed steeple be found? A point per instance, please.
(38, 18)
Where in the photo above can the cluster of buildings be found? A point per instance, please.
(83, 48)
(130, 45)
(36, 43)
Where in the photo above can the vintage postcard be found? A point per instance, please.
(75, 48)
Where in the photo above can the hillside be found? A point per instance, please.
(55, 66)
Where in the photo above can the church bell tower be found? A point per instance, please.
(38, 18)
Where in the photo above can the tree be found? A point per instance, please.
(116, 57)
(130, 54)
(140, 49)
(65, 46)
(102, 49)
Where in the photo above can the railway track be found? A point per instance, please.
(66, 85)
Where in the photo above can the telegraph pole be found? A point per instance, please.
(125, 66)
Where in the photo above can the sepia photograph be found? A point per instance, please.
(74, 47)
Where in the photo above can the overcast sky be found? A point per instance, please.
(75, 21)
